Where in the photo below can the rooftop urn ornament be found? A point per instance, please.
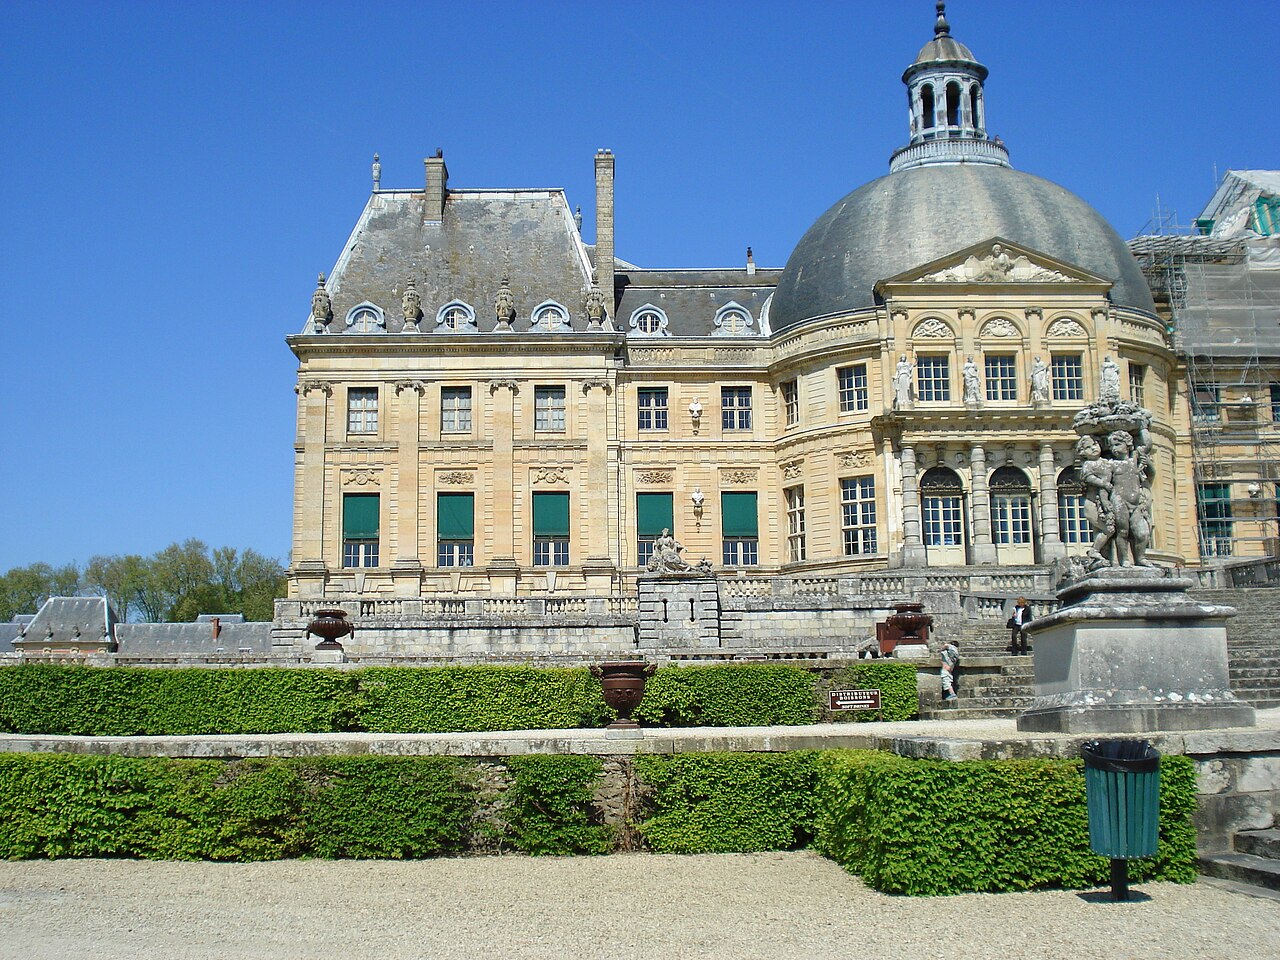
(597, 313)
(377, 172)
(411, 307)
(504, 307)
(321, 306)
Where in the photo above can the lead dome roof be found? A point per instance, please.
(915, 216)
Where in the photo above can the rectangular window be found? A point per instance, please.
(548, 409)
(360, 529)
(651, 408)
(933, 378)
(1011, 520)
(362, 410)
(1068, 377)
(455, 409)
(942, 522)
(1205, 398)
(853, 388)
(1214, 503)
(735, 408)
(791, 401)
(1072, 520)
(455, 529)
(795, 523)
(1275, 402)
(654, 513)
(551, 528)
(739, 527)
(1138, 383)
(858, 506)
(1002, 377)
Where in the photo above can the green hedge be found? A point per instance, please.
(899, 695)
(550, 805)
(125, 701)
(936, 826)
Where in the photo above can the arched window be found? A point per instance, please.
(1010, 506)
(364, 318)
(455, 316)
(942, 497)
(1072, 519)
(953, 104)
(975, 119)
(550, 316)
(926, 106)
(649, 321)
(733, 320)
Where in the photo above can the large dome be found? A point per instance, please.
(908, 218)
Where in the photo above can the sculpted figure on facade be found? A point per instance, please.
(504, 306)
(1117, 486)
(1109, 381)
(666, 557)
(902, 384)
(595, 305)
(321, 306)
(411, 307)
(1131, 497)
(972, 384)
(1039, 382)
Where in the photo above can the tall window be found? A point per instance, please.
(1205, 398)
(651, 408)
(1138, 384)
(853, 387)
(1068, 377)
(735, 408)
(942, 497)
(654, 513)
(1010, 507)
(1002, 377)
(858, 507)
(455, 409)
(1275, 402)
(795, 523)
(791, 402)
(933, 378)
(1072, 520)
(548, 409)
(551, 529)
(455, 529)
(362, 410)
(359, 529)
(739, 529)
(1214, 503)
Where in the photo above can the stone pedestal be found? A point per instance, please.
(599, 574)
(310, 577)
(503, 574)
(406, 578)
(1130, 652)
(679, 611)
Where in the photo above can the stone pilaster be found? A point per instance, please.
(984, 550)
(1051, 545)
(913, 553)
(597, 565)
(406, 570)
(309, 572)
(503, 571)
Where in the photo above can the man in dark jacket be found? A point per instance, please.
(1018, 626)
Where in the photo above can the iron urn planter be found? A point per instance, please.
(622, 682)
(329, 625)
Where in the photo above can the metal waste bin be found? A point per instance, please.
(1122, 788)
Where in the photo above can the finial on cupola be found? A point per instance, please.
(941, 28)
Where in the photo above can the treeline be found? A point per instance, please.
(174, 584)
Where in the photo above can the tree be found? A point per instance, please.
(24, 589)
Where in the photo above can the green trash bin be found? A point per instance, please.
(1122, 788)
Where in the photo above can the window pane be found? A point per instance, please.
(1002, 380)
(735, 408)
(548, 409)
(795, 523)
(853, 388)
(942, 525)
(455, 410)
(362, 410)
(652, 408)
(858, 514)
(1011, 520)
(1068, 378)
(933, 378)
(791, 402)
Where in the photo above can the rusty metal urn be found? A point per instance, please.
(622, 682)
(910, 618)
(329, 625)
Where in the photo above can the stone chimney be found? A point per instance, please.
(604, 224)
(437, 186)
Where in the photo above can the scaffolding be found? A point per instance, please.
(1223, 315)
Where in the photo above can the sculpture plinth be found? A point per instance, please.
(1130, 652)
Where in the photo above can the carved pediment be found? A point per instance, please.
(996, 261)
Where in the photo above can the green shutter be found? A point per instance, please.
(738, 515)
(653, 514)
(360, 516)
(550, 514)
(455, 516)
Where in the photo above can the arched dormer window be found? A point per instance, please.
(734, 320)
(953, 104)
(975, 115)
(927, 109)
(549, 317)
(649, 321)
(455, 317)
(365, 318)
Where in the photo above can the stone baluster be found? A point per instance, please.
(984, 550)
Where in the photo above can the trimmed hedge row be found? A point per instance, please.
(133, 701)
(905, 826)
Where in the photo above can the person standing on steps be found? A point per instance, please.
(950, 668)
(1018, 627)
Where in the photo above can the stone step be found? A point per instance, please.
(968, 713)
(1259, 843)
(1243, 868)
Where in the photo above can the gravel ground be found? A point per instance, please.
(777, 906)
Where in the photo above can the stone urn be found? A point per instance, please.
(329, 625)
(622, 682)
(911, 619)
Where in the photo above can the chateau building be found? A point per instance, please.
(489, 405)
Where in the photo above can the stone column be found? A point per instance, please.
(406, 569)
(503, 570)
(309, 570)
(1051, 545)
(984, 550)
(597, 567)
(913, 553)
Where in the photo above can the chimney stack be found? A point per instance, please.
(751, 263)
(604, 224)
(437, 186)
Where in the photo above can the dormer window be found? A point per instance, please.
(549, 316)
(734, 320)
(365, 318)
(455, 317)
(648, 322)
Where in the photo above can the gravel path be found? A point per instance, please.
(648, 907)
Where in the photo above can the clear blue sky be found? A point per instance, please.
(175, 174)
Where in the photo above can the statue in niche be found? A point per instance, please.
(1039, 382)
(1109, 381)
(411, 307)
(902, 384)
(972, 384)
(504, 307)
(321, 306)
(595, 305)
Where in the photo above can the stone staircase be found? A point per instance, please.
(1253, 642)
(992, 682)
(1254, 860)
